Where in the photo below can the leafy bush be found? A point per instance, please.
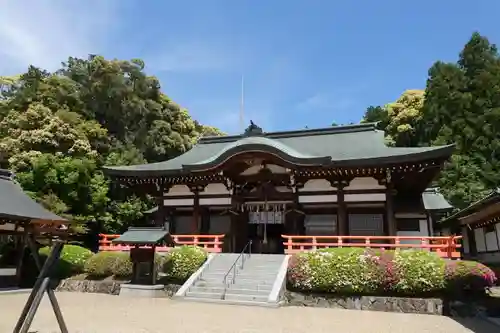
(340, 270)
(468, 276)
(71, 262)
(418, 271)
(117, 264)
(122, 266)
(104, 264)
(181, 262)
(360, 271)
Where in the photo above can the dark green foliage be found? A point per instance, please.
(181, 262)
(461, 106)
(71, 262)
(58, 129)
(105, 264)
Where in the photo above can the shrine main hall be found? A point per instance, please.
(260, 186)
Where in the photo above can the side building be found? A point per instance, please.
(479, 225)
(258, 186)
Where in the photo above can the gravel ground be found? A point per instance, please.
(98, 313)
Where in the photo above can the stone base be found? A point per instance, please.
(138, 290)
(373, 303)
(90, 286)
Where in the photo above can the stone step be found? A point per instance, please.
(230, 290)
(238, 285)
(243, 270)
(243, 273)
(240, 280)
(248, 298)
(203, 294)
(239, 277)
(232, 302)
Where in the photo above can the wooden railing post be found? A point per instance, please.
(450, 247)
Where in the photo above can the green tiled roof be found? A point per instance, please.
(342, 146)
(142, 236)
(492, 198)
(433, 200)
(17, 205)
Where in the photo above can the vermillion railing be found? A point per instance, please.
(446, 247)
(211, 243)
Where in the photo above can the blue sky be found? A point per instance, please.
(305, 63)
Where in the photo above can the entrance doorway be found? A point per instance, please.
(265, 230)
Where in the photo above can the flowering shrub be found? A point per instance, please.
(342, 270)
(183, 261)
(373, 271)
(469, 276)
(419, 271)
(72, 259)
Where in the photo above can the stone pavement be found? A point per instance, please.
(99, 313)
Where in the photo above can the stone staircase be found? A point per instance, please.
(252, 285)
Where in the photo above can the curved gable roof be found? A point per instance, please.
(258, 144)
(341, 146)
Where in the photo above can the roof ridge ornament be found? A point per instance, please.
(253, 130)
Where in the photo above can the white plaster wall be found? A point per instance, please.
(214, 201)
(491, 241)
(215, 188)
(178, 202)
(317, 198)
(325, 224)
(465, 240)
(178, 190)
(364, 197)
(423, 232)
(363, 183)
(317, 185)
(220, 224)
(480, 243)
(497, 227)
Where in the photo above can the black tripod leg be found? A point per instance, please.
(54, 255)
(34, 306)
(50, 291)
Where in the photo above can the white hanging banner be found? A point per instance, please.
(273, 217)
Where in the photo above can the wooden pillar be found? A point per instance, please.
(389, 210)
(342, 223)
(342, 219)
(205, 221)
(160, 213)
(196, 211)
(471, 237)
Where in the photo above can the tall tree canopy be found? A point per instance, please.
(58, 129)
(460, 105)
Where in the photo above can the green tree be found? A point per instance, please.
(58, 129)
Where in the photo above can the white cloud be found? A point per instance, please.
(44, 33)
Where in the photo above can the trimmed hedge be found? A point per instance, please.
(105, 264)
(72, 260)
(181, 262)
(369, 271)
(469, 275)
